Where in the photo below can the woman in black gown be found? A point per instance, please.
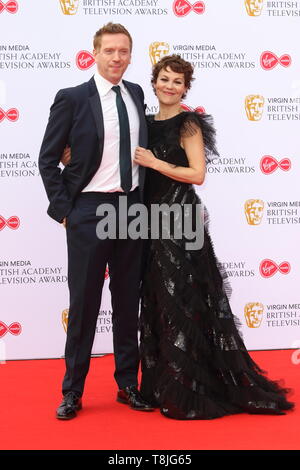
(194, 362)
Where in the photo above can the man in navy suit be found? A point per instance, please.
(87, 118)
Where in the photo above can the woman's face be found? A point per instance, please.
(169, 87)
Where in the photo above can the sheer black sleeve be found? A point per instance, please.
(191, 122)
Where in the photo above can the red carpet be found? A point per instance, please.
(30, 393)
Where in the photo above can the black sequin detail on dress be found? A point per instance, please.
(194, 362)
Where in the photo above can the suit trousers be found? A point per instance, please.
(88, 257)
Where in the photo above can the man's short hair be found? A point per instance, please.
(111, 28)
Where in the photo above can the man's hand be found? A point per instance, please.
(64, 222)
(66, 156)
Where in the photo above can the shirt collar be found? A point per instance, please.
(104, 86)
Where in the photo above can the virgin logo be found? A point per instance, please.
(14, 328)
(183, 7)
(106, 275)
(84, 60)
(199, 109)
(269, 164)
(13, 222)
(11, 7)
(12, 114)
(268, 60)
(268, 268)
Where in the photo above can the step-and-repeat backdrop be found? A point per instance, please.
(247, 66)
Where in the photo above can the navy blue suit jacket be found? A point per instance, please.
(76, 119)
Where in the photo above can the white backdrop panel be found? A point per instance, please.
(38, 49)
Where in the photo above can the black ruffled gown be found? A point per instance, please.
(194, 362)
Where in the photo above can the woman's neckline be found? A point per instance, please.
(167, 119)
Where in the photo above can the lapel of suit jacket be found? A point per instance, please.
(96, 107)
(143, 133)
(141, 112)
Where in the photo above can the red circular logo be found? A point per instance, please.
(106, 275)
(268, 268)
(199, 109)
(10, 7)
(268, 60)
(269, 164)
(84, 60)
(12, 114)
(14, 328)
(184, 7)
(13, 222)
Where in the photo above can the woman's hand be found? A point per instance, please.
(145, 157)
(66, 156)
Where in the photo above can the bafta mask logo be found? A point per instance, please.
(254, 314)
(254, 106)
(64, 318)
(254, 7)
(157, 50)
(69, 7)
(254, 209)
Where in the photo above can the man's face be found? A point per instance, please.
(254, 7)
(113, 56)
(69, 7)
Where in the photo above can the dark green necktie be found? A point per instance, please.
(125, 148)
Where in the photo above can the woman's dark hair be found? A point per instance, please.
(176, 64)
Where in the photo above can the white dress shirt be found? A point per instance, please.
(107, 178)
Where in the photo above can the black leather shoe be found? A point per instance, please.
(132, 397)
(69, 406)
